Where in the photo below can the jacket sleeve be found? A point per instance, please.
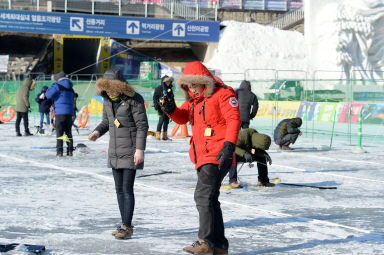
(239, 151)
(140, 117)
(181, 114)
(156, 96)
(103, 127)
(229, 108)
(255, 107)
(52, 91)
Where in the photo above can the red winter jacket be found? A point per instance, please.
(216, 108)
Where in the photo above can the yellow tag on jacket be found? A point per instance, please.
(117, 123)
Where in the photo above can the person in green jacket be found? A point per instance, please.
(22, 105)
(251, 147)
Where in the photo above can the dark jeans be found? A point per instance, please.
(163, 122)
(124, 180)
(207, 192)
(64, 125)
(262, 169)
(244, 124)
(24, 116)
(290, 138)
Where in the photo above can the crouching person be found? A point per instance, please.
(251, 147)
(212, 110)
(125, 118)
(286, 132)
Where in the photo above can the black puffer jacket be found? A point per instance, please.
(287, 126)
(247, 101)
(159, 92)
(132, 131)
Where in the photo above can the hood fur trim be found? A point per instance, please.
(123, 87)
(186, 80)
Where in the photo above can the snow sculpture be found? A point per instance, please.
(360, 48)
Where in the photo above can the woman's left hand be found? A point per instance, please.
(139, 156)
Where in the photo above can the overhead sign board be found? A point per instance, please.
(108, 26)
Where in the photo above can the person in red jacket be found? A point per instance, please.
(212, 110)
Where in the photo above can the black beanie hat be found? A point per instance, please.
(114, 74)
(298, 121)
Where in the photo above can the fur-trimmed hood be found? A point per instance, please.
(196, 73)
(123, 87)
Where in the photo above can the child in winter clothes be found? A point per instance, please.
(212, 110)
(44, 105)
(124, 117)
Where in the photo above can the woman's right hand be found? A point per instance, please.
(94, 135)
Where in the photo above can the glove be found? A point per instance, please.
(226, 156)
(167, 103)
(42, 96)
(268, 158)
(248, 157)
(300, 133)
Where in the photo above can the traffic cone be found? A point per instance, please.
(183, 131)
(174, 130)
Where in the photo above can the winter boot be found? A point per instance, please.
(265, 184)
(18, 134)
(157, 135)
(59, 153)
(286, 148)
(41, 131)
(124, 232)
(199, 247)
(165, 136)
(117, 230)
(220, 251)
(27, 133)
(69, 153)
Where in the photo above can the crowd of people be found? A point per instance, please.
(221, 137)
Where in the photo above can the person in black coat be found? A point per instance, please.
(44, 107)
(248, 103)
(286, 132)
(160, 91)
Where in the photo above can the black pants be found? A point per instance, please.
(24, 116)
(291, 138)
(163, 122)
(124, 180)
(262, 169)
(64, 126)
(244, 124)
(207, 192)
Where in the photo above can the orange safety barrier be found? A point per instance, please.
(183, 131)
(7, 110)
(80, 119)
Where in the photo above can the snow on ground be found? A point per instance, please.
(69, 204)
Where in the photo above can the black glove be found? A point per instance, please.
(268, 158)
(248, 157)
(226, 156)
(167, 103)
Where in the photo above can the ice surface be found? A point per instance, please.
(69, 204)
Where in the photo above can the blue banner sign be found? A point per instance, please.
(108, 26)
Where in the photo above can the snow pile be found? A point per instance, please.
(245, 46)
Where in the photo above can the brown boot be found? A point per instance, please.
(286, 148)
(199, 247)
(220, 251)
(157, 135)
(165, 136)
(117, 230)
(124, 232)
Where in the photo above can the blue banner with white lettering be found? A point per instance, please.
(108, 26)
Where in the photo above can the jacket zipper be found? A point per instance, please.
(194, 151)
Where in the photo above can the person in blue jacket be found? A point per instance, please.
(62, 94)
(44, 106)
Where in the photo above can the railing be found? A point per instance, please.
(288, 20)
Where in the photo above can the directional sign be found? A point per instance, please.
(133, 27)
(76, 24)
(178, 29)
(108, 26)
